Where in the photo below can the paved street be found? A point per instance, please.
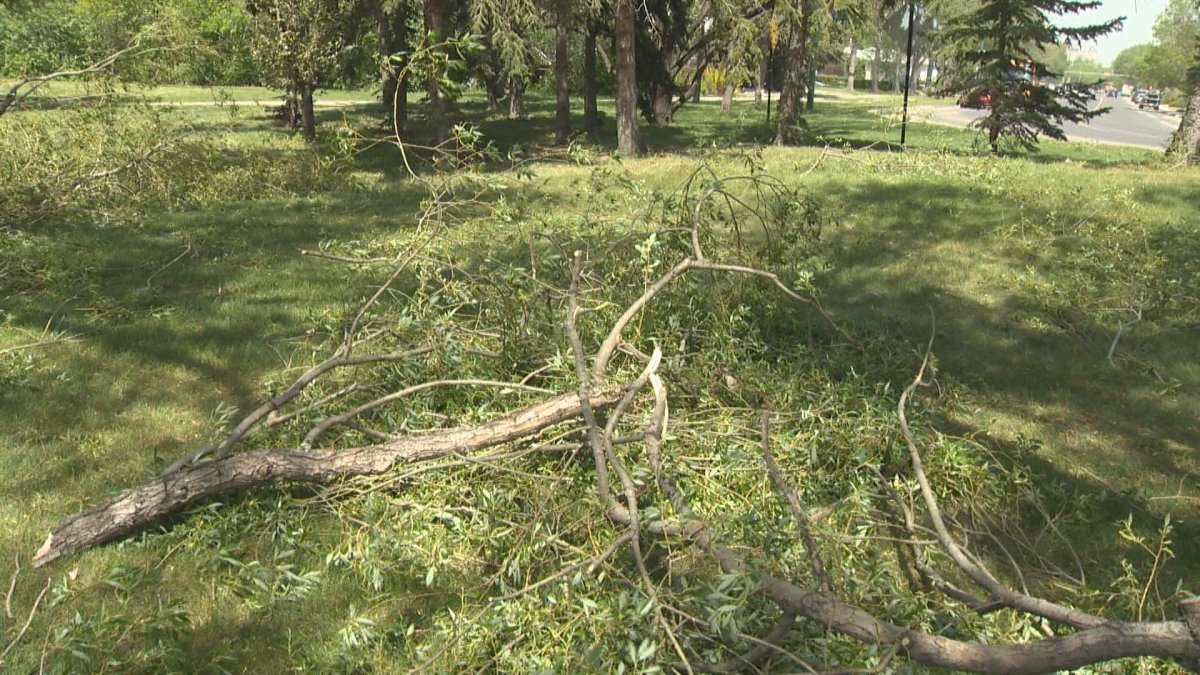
(1124, 125)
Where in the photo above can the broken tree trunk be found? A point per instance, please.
(141, 506)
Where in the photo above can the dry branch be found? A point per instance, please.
(139, 507)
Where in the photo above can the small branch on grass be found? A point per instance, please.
(973, 569)
(83, 181)
(28, 621)
(344, 258)
(342, 418)
(275, 419)
(221, 450)
(798, 513)
(763, 647)
(12, 586)
(35, 345)
(187, 248)
(922, 565)
(1125, 325)
(603, 488)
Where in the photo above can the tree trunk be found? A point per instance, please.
(492, 89)
(852, 66)
(142, 506)
(516, 98)
(727, 96)
(875, 65)
(591, 112)
(929, 71)
(393, 39)
(898, 77)
(693, 92)
(562, 94)
(664, 106)
(307, 115)
(439, 16)
(624, 38)
(1185, 142)
(791, 97)
(291, 107)
(764, 65)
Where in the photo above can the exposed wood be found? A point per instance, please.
(141, 506)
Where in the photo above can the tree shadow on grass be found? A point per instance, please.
(1027, 375)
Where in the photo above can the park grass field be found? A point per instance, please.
(1023, 267)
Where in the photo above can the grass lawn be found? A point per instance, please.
(1024, 264)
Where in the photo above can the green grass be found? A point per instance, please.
(158, 353)
(66, 90)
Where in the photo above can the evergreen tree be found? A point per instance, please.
(999, 50)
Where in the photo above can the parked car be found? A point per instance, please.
(979, 99)
(1150, 99)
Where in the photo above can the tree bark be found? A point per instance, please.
(852, 65)
(492, 90)
(625, 45)
(562, 94)
(795, 83)
(591, 111)
(439, 17)
(1185, 142)
(307, 115)
(141, 506)
(764, 65)
(516, 98)
(875, 65)
(393, 39)
(664, 106)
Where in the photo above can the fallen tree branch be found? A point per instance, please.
(1102, 641)
(978, 574)
(21, 90)
(141, 506)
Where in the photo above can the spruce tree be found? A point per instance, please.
(998, 50)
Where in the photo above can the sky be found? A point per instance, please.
(1138, 28)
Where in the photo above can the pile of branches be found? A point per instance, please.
(634, 464)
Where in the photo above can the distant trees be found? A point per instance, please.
(1001, 43)
(1164, 63)
(1136, 63)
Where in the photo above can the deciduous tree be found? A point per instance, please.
(297, 44)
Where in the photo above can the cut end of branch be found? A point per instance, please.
(46, 553)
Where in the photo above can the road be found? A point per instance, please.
(1123, 125)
